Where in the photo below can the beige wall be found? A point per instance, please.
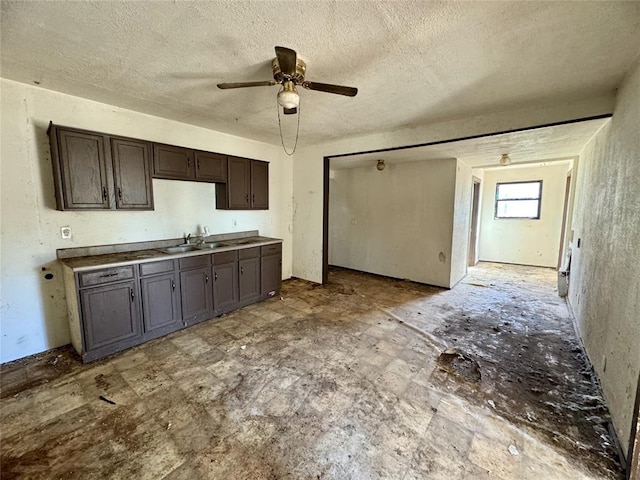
(308, 164)
(524, 241)
(397, 222)
(33, 310)
(604, 288)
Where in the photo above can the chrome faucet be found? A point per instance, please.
(187, 239)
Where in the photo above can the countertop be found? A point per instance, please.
(91, 262)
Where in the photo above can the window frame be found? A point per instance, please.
(497, 200)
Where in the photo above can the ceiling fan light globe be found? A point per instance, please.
(288, 99)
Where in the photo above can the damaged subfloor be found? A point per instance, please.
(344, 381)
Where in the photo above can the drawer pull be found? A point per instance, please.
(107, 275)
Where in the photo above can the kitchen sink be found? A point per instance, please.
(180, 249)
(207, 245)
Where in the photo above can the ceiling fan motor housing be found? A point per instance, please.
(297, 78)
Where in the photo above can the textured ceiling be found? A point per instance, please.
(414, 62)
(530, 147)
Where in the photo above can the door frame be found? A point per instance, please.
(474, 222)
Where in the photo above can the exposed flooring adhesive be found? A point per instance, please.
(334, 382)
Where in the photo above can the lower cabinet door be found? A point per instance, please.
(249, 280)
(161, 312)
(196, 293)
(225, 287)
(271, 275)
(110, 316)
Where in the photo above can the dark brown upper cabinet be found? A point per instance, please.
(94, 171)
(178, 163)
(173, 163)
(211, 167)
(132, 174)
(247, 186)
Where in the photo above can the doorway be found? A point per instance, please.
(473, 231)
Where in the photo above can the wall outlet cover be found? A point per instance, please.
(65, 232)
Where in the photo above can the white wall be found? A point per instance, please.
(397, 222)
(604, 283)
(308, 164)
(33, 310)
(524, 241)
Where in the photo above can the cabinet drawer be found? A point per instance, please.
(157, 267)
(271, 249)
(192, 262)
(252, 252)
(105, 276)
(225, 257)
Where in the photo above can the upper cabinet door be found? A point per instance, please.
(211, 167)
(259, 185)
(132, 174)
(239, 183)
(80, 165)
(173, 163)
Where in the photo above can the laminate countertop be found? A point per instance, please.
(117, 259)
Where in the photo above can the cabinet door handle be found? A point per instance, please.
(188, 163)
(119, 193)
(246, 199)
(104, 193)
(206, 279)
(198, 164)
(215, 276)
(132, 295)
(241, 271)
(173, 286)
(253, 198)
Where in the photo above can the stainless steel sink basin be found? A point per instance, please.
(180, 249)
(207, 245)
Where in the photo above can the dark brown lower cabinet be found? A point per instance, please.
(248, 275)
(225, 281)
(271, 275)
(111, 318)
(161, 306)
(196, 295)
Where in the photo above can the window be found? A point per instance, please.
(518, 199)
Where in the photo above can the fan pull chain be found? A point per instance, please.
(297, 130)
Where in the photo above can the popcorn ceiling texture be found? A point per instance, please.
(414, 62)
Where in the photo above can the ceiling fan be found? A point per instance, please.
(288, 71)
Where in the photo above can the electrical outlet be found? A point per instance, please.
(65, 232)
(234, 223)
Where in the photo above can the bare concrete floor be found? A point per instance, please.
(338, 381)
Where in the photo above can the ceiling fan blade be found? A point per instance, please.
(290, 111)
(267, 83)
(327, 87)
(287, 60)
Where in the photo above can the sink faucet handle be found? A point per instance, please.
(187, 238)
